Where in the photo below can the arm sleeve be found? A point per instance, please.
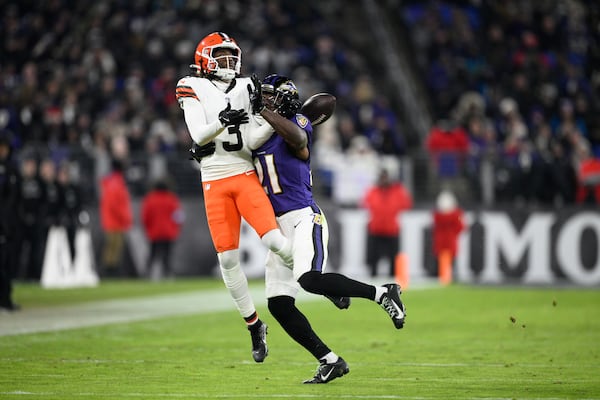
(200, 130)
(259, 135)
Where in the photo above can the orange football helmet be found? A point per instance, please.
(205, 64)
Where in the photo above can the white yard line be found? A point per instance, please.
(118, 311)
(49, 319)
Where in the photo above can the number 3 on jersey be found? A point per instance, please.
(229, 146)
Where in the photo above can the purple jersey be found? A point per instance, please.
(286, 178)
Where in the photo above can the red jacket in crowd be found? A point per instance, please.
(447, 227)
(589, 181)
(115, 203)
(162, 215)
(454, 140)
(384, 203)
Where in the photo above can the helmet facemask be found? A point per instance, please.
(226, 66)
(275, 97)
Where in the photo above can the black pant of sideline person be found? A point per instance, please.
(6, 275)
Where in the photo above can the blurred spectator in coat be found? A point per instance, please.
(356, 173)
(448, 144)
(9, 195)
(384, 202)
(53, 202)
(162, 217)
(447, 136)
(588, 177)
(385, 137)
(29, 245)
(71, 200)
(447, 225)
(115, 217)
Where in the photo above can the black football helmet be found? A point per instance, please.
(280, 94)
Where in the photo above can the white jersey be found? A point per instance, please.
(202, 100)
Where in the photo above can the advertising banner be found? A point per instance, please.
(499, 246)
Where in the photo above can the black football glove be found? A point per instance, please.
(289, 107)
(255, 95)
(233, 117)
(198, 152)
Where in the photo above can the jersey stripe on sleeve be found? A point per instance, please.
(185, 91)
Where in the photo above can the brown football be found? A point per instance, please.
(318, 108)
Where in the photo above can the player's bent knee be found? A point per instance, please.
(311, 282)
(280, 306)
(274, 240)
(229, 259)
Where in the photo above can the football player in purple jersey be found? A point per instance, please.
(281, 153)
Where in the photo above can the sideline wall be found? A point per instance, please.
(500, 245)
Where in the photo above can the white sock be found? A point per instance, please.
(379, 292)
(330, 357)
(237, 283)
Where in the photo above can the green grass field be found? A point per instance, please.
(459, 342)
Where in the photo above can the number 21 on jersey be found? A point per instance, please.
(271, 172)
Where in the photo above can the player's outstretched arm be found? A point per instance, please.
(293, 135)
(259, 136)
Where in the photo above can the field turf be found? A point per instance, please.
(459, 342)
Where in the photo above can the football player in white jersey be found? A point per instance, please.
(215, 103)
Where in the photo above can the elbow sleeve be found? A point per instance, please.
(201, 131)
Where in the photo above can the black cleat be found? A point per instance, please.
(340, 302)
(328, 372)
(392, 304)
(259, 341)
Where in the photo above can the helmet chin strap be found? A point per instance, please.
(226, 75)
(221, 84)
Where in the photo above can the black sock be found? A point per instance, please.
(333, 284)
(291, 319)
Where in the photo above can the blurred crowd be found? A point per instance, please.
(515, 82)
(83, 83)
(86, 82)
